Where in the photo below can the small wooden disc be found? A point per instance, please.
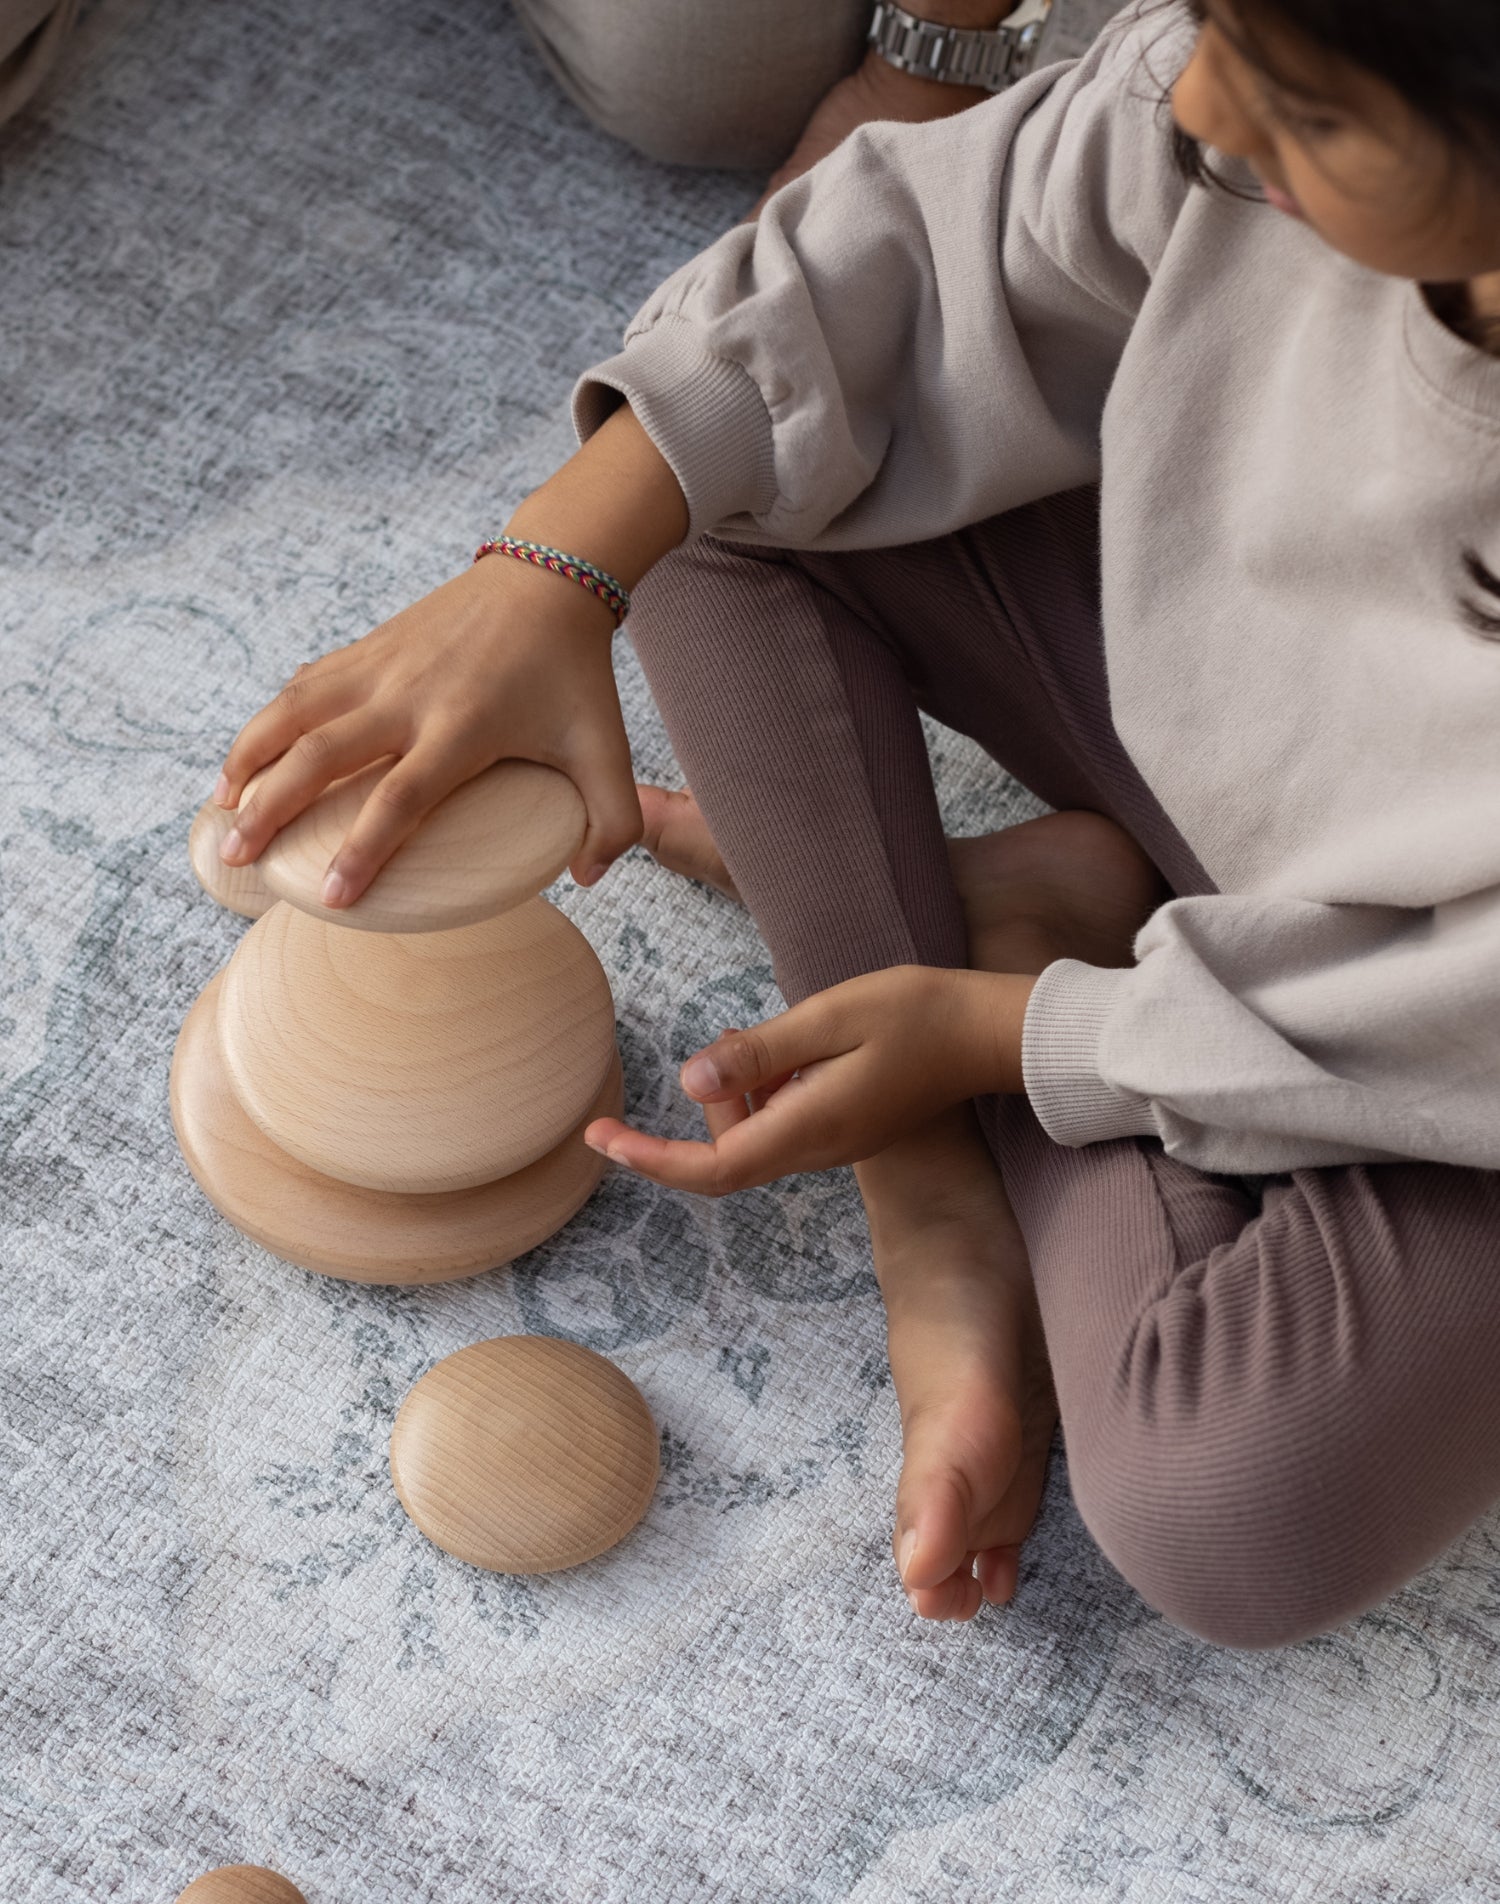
(493, 842)
(241, 1884)
(524, 1454)
(240, 888)
(417, 1061)
(367, 1236)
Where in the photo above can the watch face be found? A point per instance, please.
(962, 56)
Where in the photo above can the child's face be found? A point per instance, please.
(1339, 148)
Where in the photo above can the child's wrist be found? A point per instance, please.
(986, 1030)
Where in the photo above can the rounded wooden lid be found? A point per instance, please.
(421, 1061)
(339, 1229)
(240, 888)
(241, 1884)
(491, 844)
(524, 1454)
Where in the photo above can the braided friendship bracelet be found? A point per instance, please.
(596, 581)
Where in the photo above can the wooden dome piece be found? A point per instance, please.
(240, 888)
(241, 1884)
(339, 1229)
(493, 842)
(524, 1454)
(418, 1061)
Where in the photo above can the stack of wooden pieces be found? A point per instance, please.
(396, 1091)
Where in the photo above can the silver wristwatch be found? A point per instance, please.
(964, 56)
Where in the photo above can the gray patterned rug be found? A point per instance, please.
(290, 300)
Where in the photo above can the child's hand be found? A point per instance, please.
(837, 1078)
(503, 661)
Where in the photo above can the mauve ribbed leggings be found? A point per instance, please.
(1274, 1415)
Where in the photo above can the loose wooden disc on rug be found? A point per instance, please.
(240, 888)
(417, 1061)
(493, 842)
(241, 1884)
(370, 1236)
(524, 1454)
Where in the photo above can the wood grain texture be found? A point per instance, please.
(493, 843)
(417, 1061)
(241, 1884)
(339, 1229)
(240, 888)
(524, 1454)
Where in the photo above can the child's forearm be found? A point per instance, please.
(616, 503)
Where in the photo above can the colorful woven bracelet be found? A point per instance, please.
(594, 580)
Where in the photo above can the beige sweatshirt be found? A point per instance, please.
(1299, 465)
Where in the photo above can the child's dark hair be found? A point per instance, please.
(1441, 56)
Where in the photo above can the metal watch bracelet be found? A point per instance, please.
(962, 56)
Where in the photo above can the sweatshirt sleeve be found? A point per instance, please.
(921, 331)
(1255, 1035)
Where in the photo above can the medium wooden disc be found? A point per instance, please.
(240, 888)
(241, 1884)
(524, 1454)
(417, 1061)
(368, 1236)
(493, 842)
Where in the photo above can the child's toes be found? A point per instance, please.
(932, 1527)
(998, 1567)
(956, 1598)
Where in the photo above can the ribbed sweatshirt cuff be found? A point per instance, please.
(1060, 1038)
(705, 414)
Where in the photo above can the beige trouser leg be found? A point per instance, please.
(699, 82)
(31, 34)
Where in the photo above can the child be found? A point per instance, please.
(1159, 451)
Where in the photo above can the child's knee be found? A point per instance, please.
(1251, 1553)
(694, 83)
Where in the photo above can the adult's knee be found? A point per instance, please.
(696, 83)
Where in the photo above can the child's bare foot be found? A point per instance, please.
(678, 838)
(969, 1362)
(1065, 885)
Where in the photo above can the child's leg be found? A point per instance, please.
(1272, 1419)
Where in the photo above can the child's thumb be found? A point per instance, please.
(607, 783)
(738, 1062)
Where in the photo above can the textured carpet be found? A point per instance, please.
(290, 299)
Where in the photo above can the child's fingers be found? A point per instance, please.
(754, 1150)
(722, 1117)
(281, 791)
(762, 1058)
(393, 810)
(311, 698)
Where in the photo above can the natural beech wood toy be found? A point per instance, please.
(404, 1102)
(524, 1454)
(241, 1884)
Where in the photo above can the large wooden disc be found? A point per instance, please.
(491, 844)
(524, 1454)
(240, 888)
(368, 1236)
(417, 1061)
(241, 1884)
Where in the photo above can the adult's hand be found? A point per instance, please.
(878, 90)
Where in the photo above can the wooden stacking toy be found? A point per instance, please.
(241, 1884)
(396, 1091)
(524, 1454)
